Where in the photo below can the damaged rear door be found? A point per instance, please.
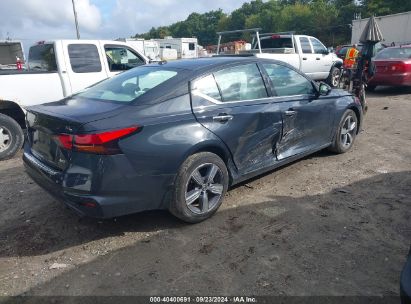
(306, 118)
(234, 104)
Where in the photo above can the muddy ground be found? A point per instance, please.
(326, 225)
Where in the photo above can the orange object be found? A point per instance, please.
(350, 58)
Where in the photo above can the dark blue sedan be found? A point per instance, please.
(177, 135)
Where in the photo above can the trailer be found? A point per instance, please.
(150, 48)
(11, 51)
(395, 28)
(186, 47)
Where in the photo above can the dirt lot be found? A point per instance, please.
(326, 225)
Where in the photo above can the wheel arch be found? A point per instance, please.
(218, 148)
(13, 110)
(336, 64)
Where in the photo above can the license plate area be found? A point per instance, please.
(45, 148)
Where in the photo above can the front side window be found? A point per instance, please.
(241, 83)
(84, 58)
(191, 46)
(42, 58)
(288, 82)
(120, 58)
(318, 47)
(305, 45)
(128, 86)
(208, 87)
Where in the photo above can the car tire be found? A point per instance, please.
(334, 77)
(200, 186)
(346, 133)
(11, 137)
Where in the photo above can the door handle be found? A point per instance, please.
(223, 118)
(290, 113)
(317, 58)
(304, 58)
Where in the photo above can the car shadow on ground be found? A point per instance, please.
(384, 92)
(50, 226)
(351, 242)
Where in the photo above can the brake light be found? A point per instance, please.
(97, 143)
(275, 36)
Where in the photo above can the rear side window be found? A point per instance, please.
(288, 82)
(207, 86)
(305, 45)
(241, 83)
(128, 86)
(275, 43)
(84, 58)
(120, 58)
(42, 58)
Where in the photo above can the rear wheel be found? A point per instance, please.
(11, 137)
(334, 77)
(346, 133)
(200, 187)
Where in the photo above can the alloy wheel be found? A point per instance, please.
(204, 188)
(5, 139)
(348, 130)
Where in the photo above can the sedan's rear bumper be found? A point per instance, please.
(403, 79)
(101, 198)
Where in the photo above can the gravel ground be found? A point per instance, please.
(326, 225)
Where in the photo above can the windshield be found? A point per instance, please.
(128, 86)
(394, 53)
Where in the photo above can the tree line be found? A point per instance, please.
(329, 20)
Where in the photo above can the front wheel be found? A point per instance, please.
(346, 133)
(11, 137)
(334, 77)
(201, 184)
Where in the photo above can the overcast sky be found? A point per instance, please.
(35, 20)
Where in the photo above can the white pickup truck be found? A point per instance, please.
(305, 53)
(55, 70)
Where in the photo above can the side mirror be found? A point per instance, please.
(324, 89)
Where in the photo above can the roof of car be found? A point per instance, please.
(207, 63)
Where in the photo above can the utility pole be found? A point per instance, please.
(75, 19)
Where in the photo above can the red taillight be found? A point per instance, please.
(65, 141)
(98, 143)
(398, 67)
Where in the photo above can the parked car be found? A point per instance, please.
(176, 135)
(392, 67)
(405, 286)
(305, 53)
(56, 69)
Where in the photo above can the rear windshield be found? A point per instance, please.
(42, 58)
(128, 86)
(275, 43)
(394, 53)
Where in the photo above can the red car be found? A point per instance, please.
(392, 67)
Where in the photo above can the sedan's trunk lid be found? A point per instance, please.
(68, 116)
